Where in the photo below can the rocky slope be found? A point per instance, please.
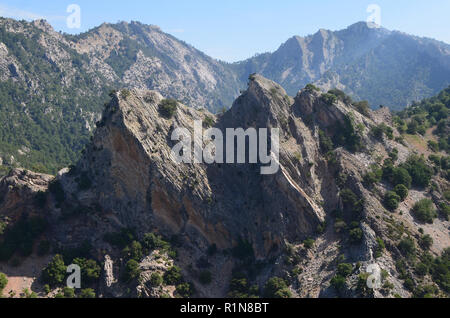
(314, 223)
(52, 85)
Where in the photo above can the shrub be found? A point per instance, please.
(167, 108)
(372, 177)
(363, 107)
(208, 122)
(423, 211)
(344, 269)
(3, 282)
(90, 270)
(338, 282)
(419, 171)
(426, 242)
(402, 191)
(68, 292)
(326, 144)
(340, 95)
(276, 287)
(380, 247)
(135, 251)
(87, 293)
(328, 99)
(355, 235)
(311, 87)
(409, 284)
(172, 276)
(433, 145)
(156, 280)
(153, 242)
(308, 243)
(407, 247)
(350, 201)
(401, 176)
(391, 200)
(132, 270)
(185, 290)
(55, 272)
(421, 269)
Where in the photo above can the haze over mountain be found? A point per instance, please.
(52, 85)
(385, 67)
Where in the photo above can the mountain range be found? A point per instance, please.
(52, 85)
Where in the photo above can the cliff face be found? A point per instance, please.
(127, 178)
(135, 178)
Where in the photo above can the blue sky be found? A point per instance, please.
(233, 30)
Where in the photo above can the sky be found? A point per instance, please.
(233, 30)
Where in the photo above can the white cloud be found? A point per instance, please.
(19, 14)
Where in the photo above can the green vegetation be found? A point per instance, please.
(348, 134)
(55, 272)
(328, 99)
(351, 202)
(277, 287)
(90, 270)
(167, 108)
(311, 88)
(156, 280)
(3, 282)
(431, 112)
(344, 269)
(391, 200)
(208, 122)
(308, 243)
(402, 191)
(173, 276)
(378, 132)
(426, 242)
(380, 247)
(132, 271)
(185, 289)
(340, 95)
(355, 235)
(53, 130)
(419, 171)
(423, 210)
(326, 144)
(87, 293)
(239, 288)
(338, 282)
(363, 107)
(407, 247)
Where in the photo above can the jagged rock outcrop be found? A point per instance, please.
(135, 179)
(127, 178)
(18, 191)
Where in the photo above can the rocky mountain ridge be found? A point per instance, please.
(315, 223)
